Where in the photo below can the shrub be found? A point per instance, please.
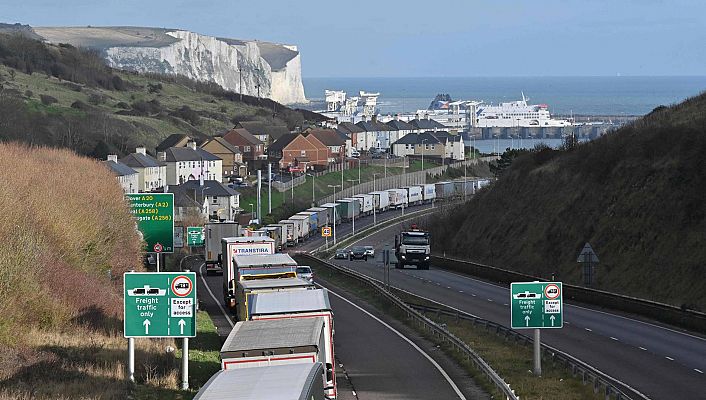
(47, 100)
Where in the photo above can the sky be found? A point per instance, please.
(392, 38)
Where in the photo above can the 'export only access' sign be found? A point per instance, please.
(536, 305)
(154, 213)
(160, 304)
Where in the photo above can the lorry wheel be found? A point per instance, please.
(398, 265)
(425, 266)
(365, 258)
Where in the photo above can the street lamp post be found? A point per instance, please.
(252, 212)
(374, 189)
(202, 198)
(334, 211)
(353, 194)
(313, 180)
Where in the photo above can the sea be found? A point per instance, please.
(598, 96)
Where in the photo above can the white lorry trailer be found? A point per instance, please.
(366, 203)
(414, 194)
(214, 232)
(429, 192)
(232, 246)
(245, 289)
(299, 304)
(381, 200)
(290, 381)
(293, 231)
(398, 198)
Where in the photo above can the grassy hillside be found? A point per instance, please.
(62, 96)
(637, 195)
(67, 237)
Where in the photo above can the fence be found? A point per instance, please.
(426, 324)
(284, 186)
(397, 181)
(662, 312)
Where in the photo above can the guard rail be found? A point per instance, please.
(425, 323)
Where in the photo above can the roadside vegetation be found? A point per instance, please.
(67, 238)
(62, 96)
(512, 361)
(636, 195)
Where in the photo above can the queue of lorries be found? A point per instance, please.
(282, 345)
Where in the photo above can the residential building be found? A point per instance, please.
(151, 174)
(267, 133)
(301, 152)
(334, 143)
(400, 129)
(426, 124)
(274, 151)
(376, 134)
(127, 177)
(250, 147)
(216, 200)
(231, 156)
(173, 140)
(420, 144)
(191, 163)
(352, 131)
(454, 148)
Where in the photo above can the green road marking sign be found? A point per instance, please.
(154, 213)
(159, 304)
(194, 236)
(536, 305)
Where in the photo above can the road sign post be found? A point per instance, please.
(159, 305)
(587, 257)
(536, 305)
(194, 236)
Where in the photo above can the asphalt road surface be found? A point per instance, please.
(659, 361)
(380, 363)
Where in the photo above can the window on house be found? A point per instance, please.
(302, 153)
(247, 148)
(214, 200)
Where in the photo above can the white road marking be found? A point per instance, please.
(490, 300)
(614, 338)
(669, 358)
(642, 348)
(218, 303)
(698, 370)
(437, 284)
(411, 343)
(567, 322)
(473, 295)
(506, 305)
(448, 287)
(460, 291)
(586, 308)
(588, 329)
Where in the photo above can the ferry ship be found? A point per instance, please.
(515, 114)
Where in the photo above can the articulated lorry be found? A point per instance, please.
(214, 232)
(245, 289)
(297, 304)
(234, 246)
(255, 345)
(412, 247)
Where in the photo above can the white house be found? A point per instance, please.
(127, 177)
(215, 200)
(151, 173)
(191, 163)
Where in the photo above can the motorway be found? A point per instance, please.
(380, 362)
(659, 361)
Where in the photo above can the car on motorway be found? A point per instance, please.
(341, 254)
(370, 251)
(358, 253)
(305, 273)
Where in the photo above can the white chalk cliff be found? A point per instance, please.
(276, 68)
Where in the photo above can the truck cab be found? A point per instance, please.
(413, 247)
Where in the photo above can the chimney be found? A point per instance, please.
(397, 117)
(162, 156)
(141, 150)
(113, 158)
(191, 145)
(374, 118)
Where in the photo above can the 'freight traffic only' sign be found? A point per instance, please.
(536, 305)
(160, 304)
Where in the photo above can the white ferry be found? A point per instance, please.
(516, 114)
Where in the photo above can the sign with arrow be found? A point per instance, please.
(159, 304)
(536, 305)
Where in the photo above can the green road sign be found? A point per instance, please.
(154, 213)
(160, 304)
(194, 236)
(536, 305)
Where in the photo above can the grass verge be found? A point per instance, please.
(510, 360)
